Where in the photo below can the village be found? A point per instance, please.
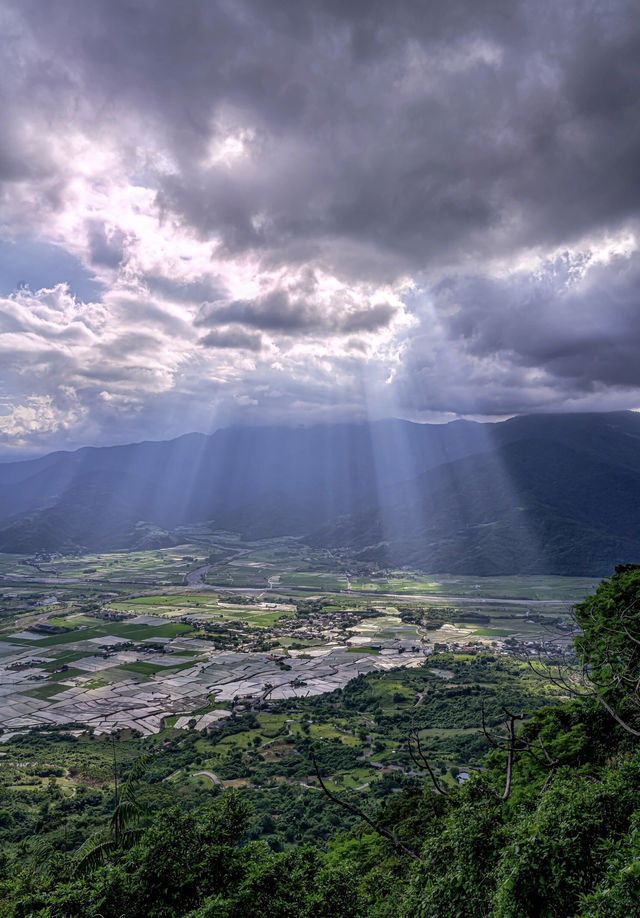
(186, 660)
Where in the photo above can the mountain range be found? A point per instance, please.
(533, 494)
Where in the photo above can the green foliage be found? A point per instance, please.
(609, 645)
(123, 830)
(295, 884)
(618, 893)
(193, 864)
(460, 860)
(565, 844)
(610, 622)
(557, 855)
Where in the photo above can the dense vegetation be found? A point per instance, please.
(562, 838)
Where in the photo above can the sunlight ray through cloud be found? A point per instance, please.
(435, 201)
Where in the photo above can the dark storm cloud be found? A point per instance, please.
(233, 338)
(585, 330)
(568, 334)
(464, 138)
(278, 311)
(392, 175)
(419, 130)
(366, 320)
(105, 249)
(274, 311)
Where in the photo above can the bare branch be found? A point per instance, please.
(550, 778)
(425, 762)
(510, 756)
(398, 845)
(615, 715)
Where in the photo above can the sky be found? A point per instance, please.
(220, 212)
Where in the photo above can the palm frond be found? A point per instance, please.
(138, 769)
(93, 853)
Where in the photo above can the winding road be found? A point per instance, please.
(207, 774)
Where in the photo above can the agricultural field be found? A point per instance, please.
(358, 733)
(138, 640)
(533, 587)
(169, 565)
(231, 665)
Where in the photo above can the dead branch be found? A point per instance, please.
(425, 762)
(511, 754)
(398, 845)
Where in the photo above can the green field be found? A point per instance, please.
(151, 669)
(534, 587)
(44, 692)
(307, 604)
(208, 604)
(323, 583)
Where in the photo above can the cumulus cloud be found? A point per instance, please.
(563, 335)
(320, 209)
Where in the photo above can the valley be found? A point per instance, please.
(222, 673)
(533, 495)
(319, 459)
(193, 635)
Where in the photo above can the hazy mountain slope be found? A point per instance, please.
(610, 436)
(302, 476)
(544, 492)
(530, 506)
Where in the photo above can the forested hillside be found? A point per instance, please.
(549, 827)
(532, 506)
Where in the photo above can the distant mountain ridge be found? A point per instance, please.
(536, 493)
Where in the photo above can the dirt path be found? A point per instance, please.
(207, 774)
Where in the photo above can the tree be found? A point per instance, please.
(608, 647)
(124, 826)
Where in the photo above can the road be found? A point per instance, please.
(195, 580)
(207, 774)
